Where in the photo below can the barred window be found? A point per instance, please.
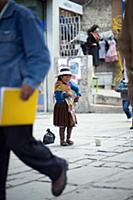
(69, 28)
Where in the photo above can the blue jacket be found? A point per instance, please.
(61, 95)
(24, 57)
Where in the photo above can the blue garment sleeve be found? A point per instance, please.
(75, 88)
(36, 52)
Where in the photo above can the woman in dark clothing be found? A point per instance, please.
(92, 44)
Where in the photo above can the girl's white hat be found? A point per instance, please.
(64, 71)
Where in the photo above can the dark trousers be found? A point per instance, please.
(125, 105)
(33, 153)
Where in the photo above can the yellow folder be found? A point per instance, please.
(15, 111)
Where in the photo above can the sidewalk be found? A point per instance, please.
(95, 173)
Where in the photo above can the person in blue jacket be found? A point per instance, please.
(125, 99)
(64, 115)
(24, 63)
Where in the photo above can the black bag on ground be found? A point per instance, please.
(49, 137)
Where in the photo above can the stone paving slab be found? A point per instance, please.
(35, 190)
(32, 191)
(87, 174)
(126, 157)
(97, 194)
(122, 180)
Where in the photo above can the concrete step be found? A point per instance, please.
(102, 108)
(103, 101)
(107, 97)
(107, 100)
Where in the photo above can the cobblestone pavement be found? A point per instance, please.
(95, 172)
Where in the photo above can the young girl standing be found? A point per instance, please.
(64, 115)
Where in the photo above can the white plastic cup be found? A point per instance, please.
(98, 142)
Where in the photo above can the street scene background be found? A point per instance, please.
(95, 172)
(101, 159)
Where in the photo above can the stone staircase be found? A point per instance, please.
(106, 101)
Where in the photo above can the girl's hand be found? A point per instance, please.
(69, 94)
(76, 99)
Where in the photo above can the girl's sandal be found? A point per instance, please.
(69, 142)
(63, 143)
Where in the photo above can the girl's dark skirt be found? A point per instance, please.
(62, 117)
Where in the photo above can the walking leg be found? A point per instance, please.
(32, 152)
(69, 132)
(4, 161)
(62, 136)
(132, 121)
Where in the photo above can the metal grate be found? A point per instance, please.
(69, 28)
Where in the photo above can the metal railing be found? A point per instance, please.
(69, 28)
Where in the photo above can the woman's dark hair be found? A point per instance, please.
(93, 28)
(59, 78)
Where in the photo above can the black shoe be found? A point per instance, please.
(69, 142)
(62, 143)
(59, 185)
